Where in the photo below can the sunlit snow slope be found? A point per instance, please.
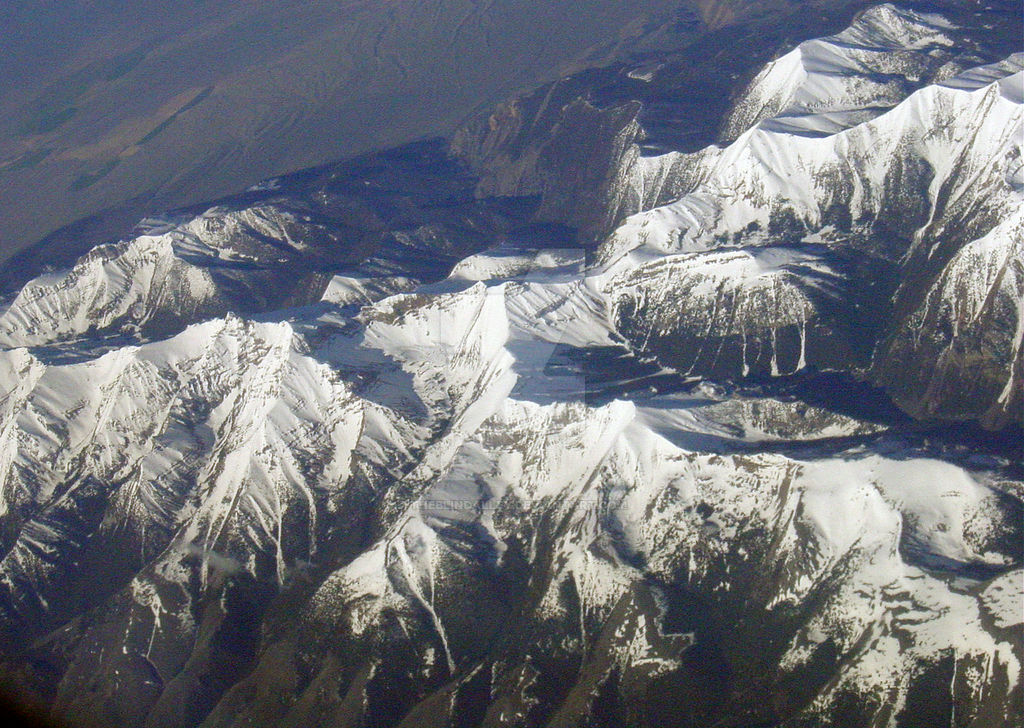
(375, 447)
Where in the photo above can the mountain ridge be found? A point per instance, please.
(430, 444)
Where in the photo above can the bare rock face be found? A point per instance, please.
(380, 445)
(897, 206)
(575, 165)
(958, 355)
(767, 311)
(885, 176)
(577, 142)
(277, 246)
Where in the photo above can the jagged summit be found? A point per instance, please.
(376, 445)
(826, 85)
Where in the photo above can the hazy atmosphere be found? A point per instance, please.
(512, 364)
(141, 106)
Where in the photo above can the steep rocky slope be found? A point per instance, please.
(413, 442)
(869, 159)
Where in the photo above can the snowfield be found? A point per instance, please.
(543, 474)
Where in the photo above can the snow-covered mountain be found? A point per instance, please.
(917, 188)
(418, 442)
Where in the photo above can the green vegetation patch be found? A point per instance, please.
(28, 160)
(158, 128)
(199, 98)
(46, 120)
(123, 64)
(88, 179)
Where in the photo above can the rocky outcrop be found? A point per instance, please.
(958, 354)
(910, 203)
(767, 311)
(570, 153)
(888, 145)
(486, 478)
(270, 248)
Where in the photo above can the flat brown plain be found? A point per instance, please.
(146, 106)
